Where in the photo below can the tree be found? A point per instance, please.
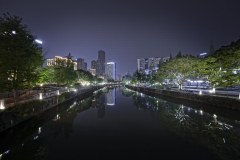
(179, 69)
(64, 71)
(211, 49)
(85, 76)
(220, 66)
(160, 62)
(170, 56)
(179, 55)
(21, 57)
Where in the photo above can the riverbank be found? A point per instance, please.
(212, 99)
(10, 118)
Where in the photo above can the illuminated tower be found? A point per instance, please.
(111, 70)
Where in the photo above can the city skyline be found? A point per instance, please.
(128, 30)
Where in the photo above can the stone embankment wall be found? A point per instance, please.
(9, 120)
(227, 102)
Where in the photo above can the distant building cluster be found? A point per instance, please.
(97, 66)
(52, 61)
(149, 65)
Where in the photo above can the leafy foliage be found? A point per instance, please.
(21, 58)
(178, 68)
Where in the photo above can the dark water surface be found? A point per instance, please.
(122, 124)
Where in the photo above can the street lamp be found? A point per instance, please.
(38, 41)
(2, 104)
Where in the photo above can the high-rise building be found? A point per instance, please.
(101, 57)
(98, 67)
(93, 64)
(85, 66)
(80, 63)
(111, 70)
(149, 64)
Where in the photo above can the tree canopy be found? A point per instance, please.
(21, 57)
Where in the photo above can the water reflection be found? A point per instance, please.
(28, 142)
(220, 135)
(111, 97)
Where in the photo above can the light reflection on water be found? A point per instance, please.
(124, 124)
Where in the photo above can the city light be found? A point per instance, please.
(2, 104)
(40, 96)
(38, 41)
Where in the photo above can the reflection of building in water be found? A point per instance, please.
(111, 97)
(99, 103)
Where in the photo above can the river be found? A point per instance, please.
(117, 123)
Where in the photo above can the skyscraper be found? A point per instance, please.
(111, 70)
(101, 57)
(85, 66)
(93, 64)
(80, 63)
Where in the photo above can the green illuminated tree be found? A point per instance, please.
(179, 69)
(64, 72)
(21, 57)
(222, 67)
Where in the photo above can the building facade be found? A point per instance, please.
(101, 59)
(93, 64)
(80, 63)
(92, 71)
(111, 70)
(85, 66)
(52, 61)
(148, 65)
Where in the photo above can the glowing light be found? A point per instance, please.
(215, 116)
(38, 41)
(203, 54)
(2, 104)
(40, 96)
(58, 92)
(39, 130)
(13, 32)
(200, 92)
(213, 90)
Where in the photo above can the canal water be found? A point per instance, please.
(118, 123)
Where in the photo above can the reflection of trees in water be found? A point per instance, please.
(25, 142)
(221, 139)
(126, 92)
(144, 102)
(63, 123)
(194, 126)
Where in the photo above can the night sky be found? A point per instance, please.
(128, 29)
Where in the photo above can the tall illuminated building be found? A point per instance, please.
(111, 70)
